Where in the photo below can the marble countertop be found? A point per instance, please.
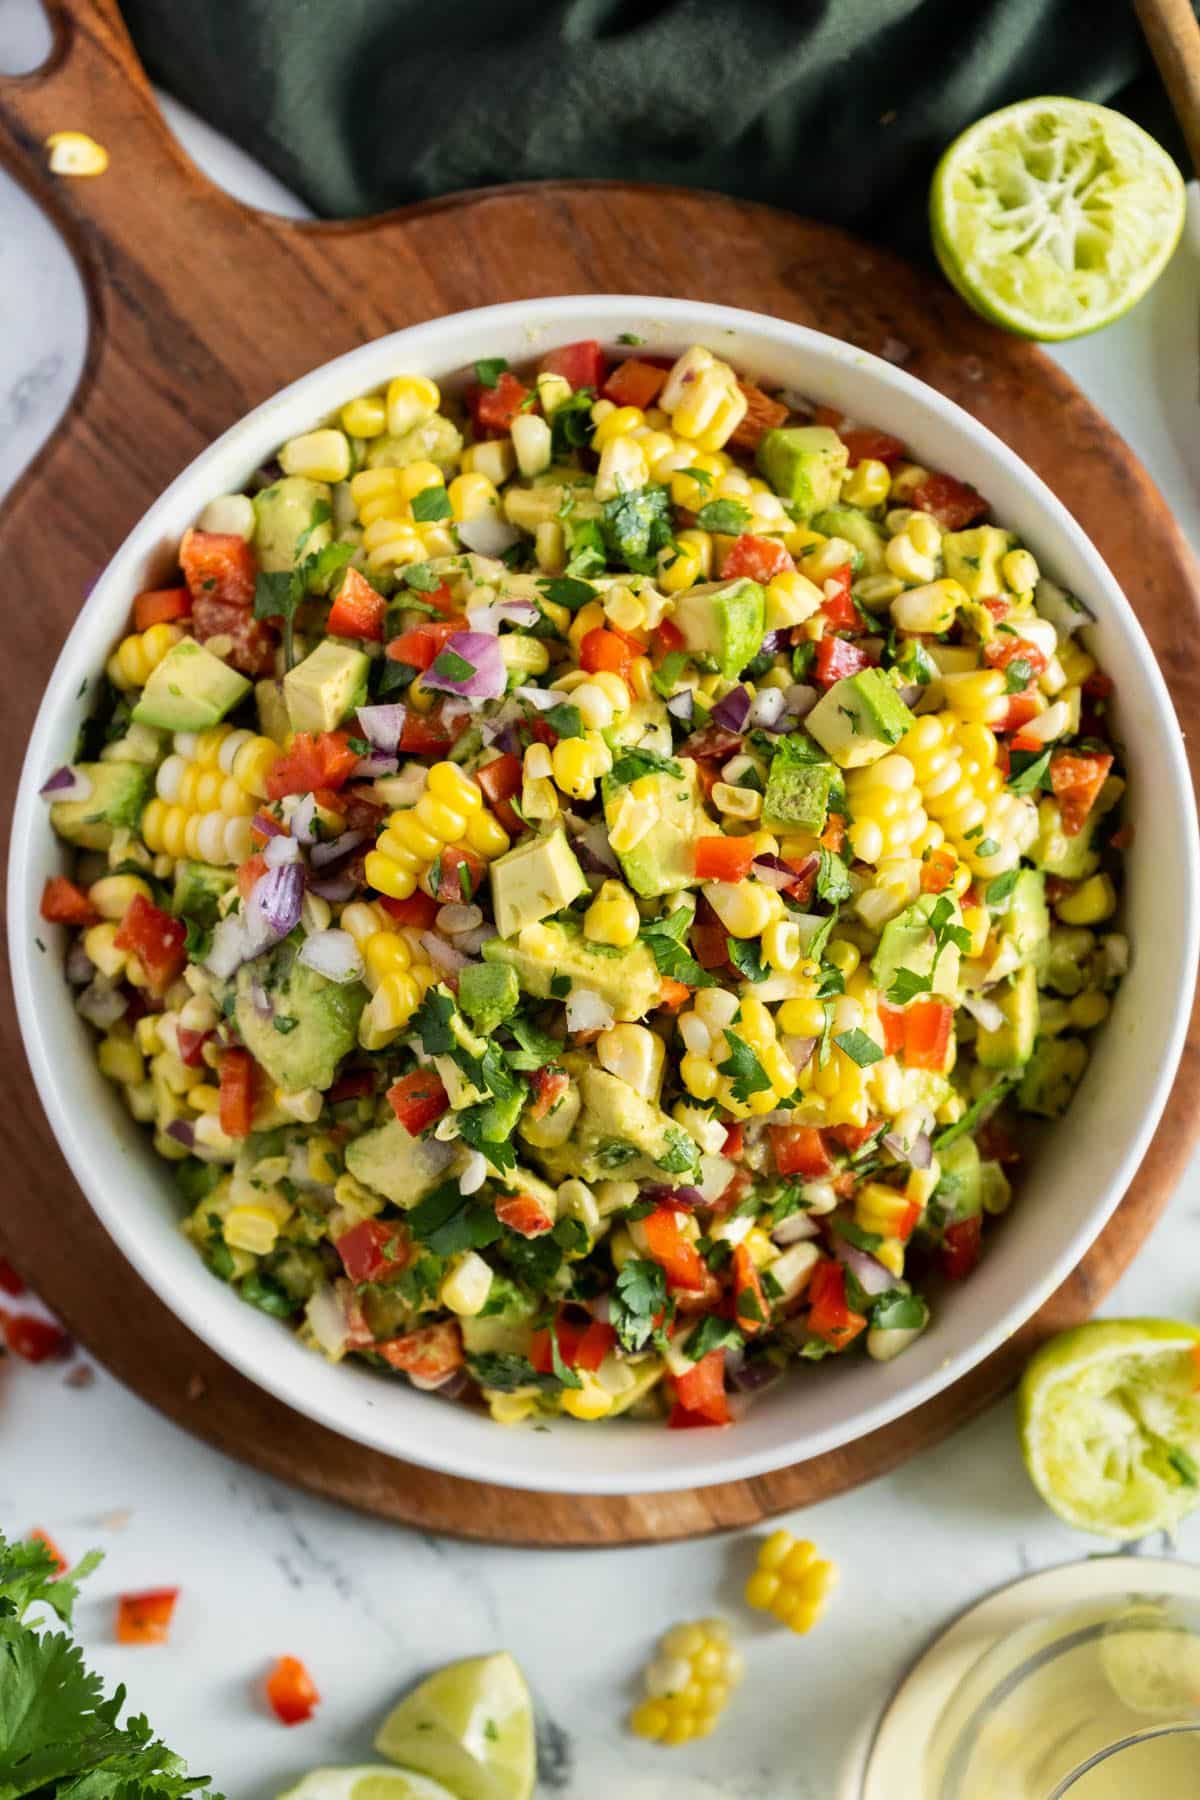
(265, 1570)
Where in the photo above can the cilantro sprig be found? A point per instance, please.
(278, 593)
(907, 983)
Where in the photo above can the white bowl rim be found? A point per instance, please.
(435, 342)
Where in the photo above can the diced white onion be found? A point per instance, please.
(586, 1011)
(333, 954)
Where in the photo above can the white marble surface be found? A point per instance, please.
(265, 1570)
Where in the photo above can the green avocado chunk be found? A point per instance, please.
(548, 954)
(1027, 922)
(283, 514)
(859, 719)
(960, 1186)
(328, 685)
(310, 1027)
(198, 890)
(1051, 1076)
(723, 621)
(436, 440)
(400, 1167)
(1074, 858)
(907, 942)
(190, 690)
(665, 859)
(119, 791)
(850, 523)
(804, 463)
(1010, 1046)
(488, 993)
(797, 796)
(622, 1136)
(972, 558)
(533, 880)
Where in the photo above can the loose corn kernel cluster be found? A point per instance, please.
(137, 656)
(450, 814)
(395, 968)
(688, 1684)
(888, 818)
(702, 398)
(703, 1029)
(391, 536)
(205, 793)
(962, 789)
(791, 1582)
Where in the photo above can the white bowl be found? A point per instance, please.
(1081, 1170)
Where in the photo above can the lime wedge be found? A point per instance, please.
(368, 1783)
(471, 1726)
(1109, 1416)
(1053, 217)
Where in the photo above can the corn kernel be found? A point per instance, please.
(791, 1581)
(868, 484)
(1091, 902)
(320, 455)
(365, 417)
(411, 399)
(613, 917)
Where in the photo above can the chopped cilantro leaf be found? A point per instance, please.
(833, 878)
(637, 1300)
(729, 517)
(860, 1048)
(430, 504)
(746, 1074)
(489, 369)
(450, 666)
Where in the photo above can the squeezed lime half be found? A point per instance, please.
(1054, 216)
(367, 1783)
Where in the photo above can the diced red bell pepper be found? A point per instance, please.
(291, 1691)
(418, 1100)
(609, 650)
(837, 606)
(371, 1250)
(907, 1222)
(829, 1316)
(421, 646)
(836, 658)
(323, 760)
(701, 1391)
(999, 652)
(430, 1353)
(239, 1079)
(156, 939)
(191, 1045)
(250, 873)
(580, 1345)
(161, 606)
(937, 870)
(418, 910)
(665, 638)
(634, 383)
(425, 734)
(892, 1020)
(1098, 686)
(679, 1259)
(735, 1139)
(351, 1086)
(10, 1281)
(494, 408)
(928, 1024)
(724, 858)
(218, 565)
(1022, 709)
(145, 1618)
(595, 1344)
(756, 559)
(762, 415)
(866, 445)
(65, 904)
(35, 1340)
(358, 610)
(500, 780)
(455, 875)
(581, 364)
(248, 644)
(799, 1150)
(954, 504)
(38, 1536)
(524, 1215)
(1077, 778)
(834, 835)
(548, 1085)
(962, 1244)
(673, 994)
(853, 1137)
(750, 1308)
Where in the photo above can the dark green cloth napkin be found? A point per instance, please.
(833, 108)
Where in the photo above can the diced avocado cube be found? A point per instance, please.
(283, 513)
(797, 796)
(435, 440)
(533, 880)
(960, 1188)
(972, 558)
(547, 952)
(311, 1025)
(850, 523)
(1010, 1046)
(907, 942)
(198, 890)
(529, 507)
(647, 724)
(995, 1189)
(624, 1136)
(1051, 1076)
(272, 711)
(400, 1167)
(1027, 922)
(119, 791)
(804, 463)
(665, 859)
(327, 686)
(488, 993)
(190, 690)
(1070, 960)
(1073, 858)
(859, 719)
(723, 622)
(499, 1334)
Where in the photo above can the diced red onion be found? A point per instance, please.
(594, 851)
(911, 692)
(985, 1012)
(332, 850)
(382, 725)
(586, 1011)
(767, 709)
(663, 1195)
(489, 619)
(442, 953)
(276, 899)
(281, 850)
(753, 1375)
(871, 1276)
(375, 764)
(472, 942)
(101, 1004)
(795, 1229)
(333, 954)
(267, 826)
(334, 887)
(682, 706)
(775, 641)
(490, 534)
(732, 711)
(183, 1132)
(539, 698)
(799, 1050)
(801, 700)
(487, 677)
(773, 872)
(450, 1387)
(79, 966)
(302, 819)
(66, 784)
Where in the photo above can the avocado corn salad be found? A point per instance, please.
(590, 880)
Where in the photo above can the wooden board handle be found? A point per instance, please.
(1173, 34)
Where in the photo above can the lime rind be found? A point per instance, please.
(1109, 1418)
(368, 1782)
(1054, 216)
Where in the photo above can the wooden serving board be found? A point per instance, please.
(201, 308)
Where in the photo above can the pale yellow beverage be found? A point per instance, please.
(1165, 1766)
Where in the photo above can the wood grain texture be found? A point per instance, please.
(200, 309)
